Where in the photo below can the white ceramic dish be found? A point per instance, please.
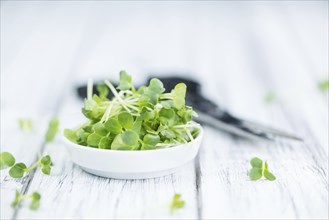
(121, 164)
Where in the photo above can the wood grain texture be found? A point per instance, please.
(238, 51)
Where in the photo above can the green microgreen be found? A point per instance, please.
(103, 91)
(260, 169)
(270, 97)
(19, 169)
(25, 124)
(143, 119)
(6, 160)
(52, 129)
(176, 203)
(34, 197)
(323, 85)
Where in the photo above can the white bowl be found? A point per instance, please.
(121, 164)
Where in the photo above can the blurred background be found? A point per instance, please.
(84, 39)
(239, 51)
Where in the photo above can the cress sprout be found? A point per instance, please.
(135, 119)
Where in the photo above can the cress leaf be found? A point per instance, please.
(126, 120)
(168, 134)
(125, 81)
(35, 203)
(52, 129)
(113, 126)
(100, 129)
(105, 143)
(255, 173)
(270, 97)
(323, 85)
(176, 203)
(25, 124)
(119, 144)
(6, 160)
(137, 124)
(268, 175)
(71, 135)
(94, 139)
(179, 95)
(151, 139)
(256, 162)
(46, 169)
(156, 86)
(130, 137)
(166, 115)
(17, 199)
(103, 91)
(18, 170)
(45, 160)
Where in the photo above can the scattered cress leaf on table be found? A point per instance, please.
(256, 162)
(260, 169)
(18, 170)
(270, 97)
(6, 160)
(176, 203)
(268, 175)
(323, 85)
(45, 163)
(25, 124)
(52, 129)
(35, 203)
(255, 173)
(46, 169)
(17, 199)
(35, 198)
(45, 160)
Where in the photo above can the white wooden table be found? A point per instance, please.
(238, 50)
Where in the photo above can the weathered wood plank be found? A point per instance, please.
(33, 75)
(226, 190)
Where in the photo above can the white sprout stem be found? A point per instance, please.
(116, 94)
(166, 96)
(90, 89)
(191, 138)
(166, 145)
(133, 107)
(107, 112)
(187, 126)
(189, 134)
